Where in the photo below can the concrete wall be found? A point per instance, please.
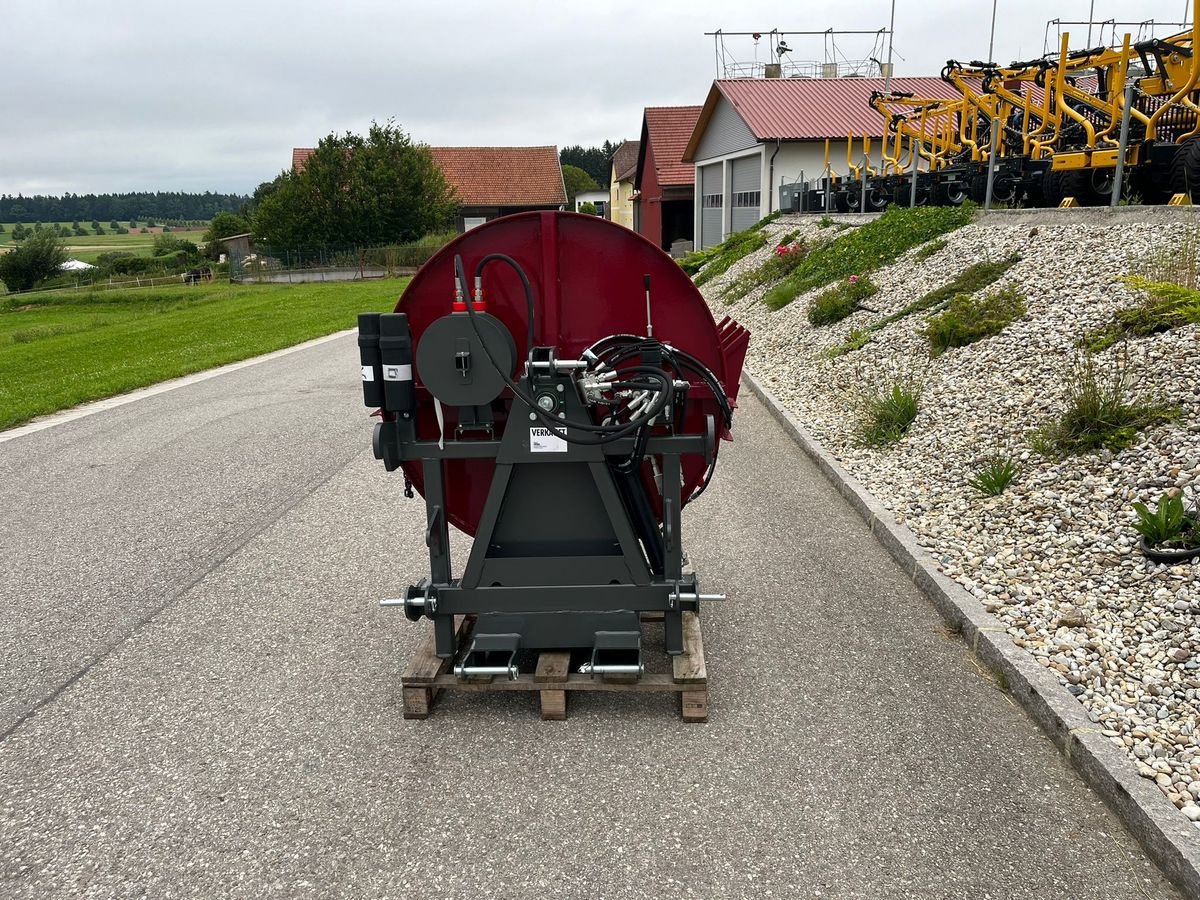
(620, 202)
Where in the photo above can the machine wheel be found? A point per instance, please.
(853, 199)
(1004, 189)
(1090, 187)
(1184, 174)
(840, 203)
(950, 195)
(877, 200)
(1052, 188)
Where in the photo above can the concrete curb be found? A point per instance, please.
(1165, 834)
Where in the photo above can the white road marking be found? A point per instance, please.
(88, 409)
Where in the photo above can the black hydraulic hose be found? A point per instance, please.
(529, 308)
(610, 433)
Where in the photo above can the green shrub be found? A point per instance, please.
(840, 300)
(884, 417)
(968, 319)
(1101, 411)
(995, 475)
(1165, 306)
(825, 221)
(867, 248)
(1168, 524)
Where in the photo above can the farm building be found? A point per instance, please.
(620, 190)
(663, 182)
(757, 133)
(492, 181)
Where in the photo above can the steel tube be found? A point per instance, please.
(991, 172)
(1119, 175)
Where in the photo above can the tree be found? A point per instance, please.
(357, 191)
(222, 226)
(576, 180)
(39, 257)
(20, 232)
(1, 228)
(588, 209)
(596, 161)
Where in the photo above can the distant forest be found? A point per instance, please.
(111, 207)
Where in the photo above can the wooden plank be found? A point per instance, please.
(553, 666)
(425, 665)
(688, 667)
(653, 616)
(648, 684)
(693, 705)
(554, 705)
(417, 701)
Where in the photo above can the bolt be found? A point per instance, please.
(533, 417)
(547, 402)
(560, 387)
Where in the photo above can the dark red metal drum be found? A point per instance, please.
(587, 276)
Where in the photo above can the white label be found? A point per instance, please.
(368, 373)
(397, 373)
(543, 440)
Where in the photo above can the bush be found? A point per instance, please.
(588, 209)
(39, 257)
(20, 232)
(1101, 411)
(867, 248)
(840, 300)
(968, 319)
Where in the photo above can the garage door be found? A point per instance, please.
(712, 211)
(747, 191)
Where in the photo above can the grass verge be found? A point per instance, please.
(705, 265)
(61, 349)
(835, 303)
(867, 248)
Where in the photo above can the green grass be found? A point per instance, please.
(932, 248)
(884, 417)
(1101, 411)
(835, 303)
(867, 248)
(1165, 306)
(92, 245)
(778, 265)
(705, 265)
(64, 348)
(995, 475)
(973, 278)
(968, 318)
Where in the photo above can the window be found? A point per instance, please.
(747, 199)
(712, 201)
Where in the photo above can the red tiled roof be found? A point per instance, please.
(666, 130)
(808, 109)
(492, 176)
(625, 160)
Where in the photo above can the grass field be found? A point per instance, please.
(66, 348)
(89, 247)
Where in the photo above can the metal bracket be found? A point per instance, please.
(490, 655)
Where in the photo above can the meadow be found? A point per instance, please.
(88, 247)
(59, 349)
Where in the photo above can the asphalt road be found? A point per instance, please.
(199, 696)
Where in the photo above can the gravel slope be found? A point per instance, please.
(1054, 557)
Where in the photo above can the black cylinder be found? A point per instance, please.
(396, 350)
(368, 355)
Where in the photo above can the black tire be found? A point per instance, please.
(955, 194)
(1004, 189)
(840, 203)
(1184, 175)
(877, 200)
(1052, 188)
(1089, 187)
(853, 198)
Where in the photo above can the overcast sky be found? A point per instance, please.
(127, 95)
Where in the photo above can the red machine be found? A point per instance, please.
(555, 386)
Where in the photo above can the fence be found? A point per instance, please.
(290, 265)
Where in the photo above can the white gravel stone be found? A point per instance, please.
(1054, 557)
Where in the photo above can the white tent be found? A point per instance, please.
(75, 265)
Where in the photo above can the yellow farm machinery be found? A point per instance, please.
(1097, 125)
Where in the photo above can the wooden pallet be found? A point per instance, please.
(427, 676)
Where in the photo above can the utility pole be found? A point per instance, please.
(992, 37)
(887, 82)
(1091, 17)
